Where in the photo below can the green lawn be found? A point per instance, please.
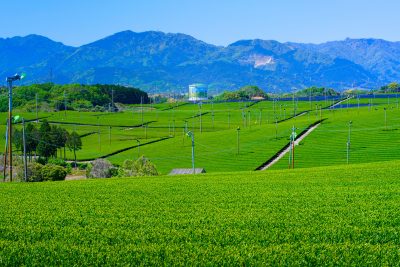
(346, 216)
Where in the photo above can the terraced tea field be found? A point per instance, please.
(372, 137)
(158, 132)
(344, 215)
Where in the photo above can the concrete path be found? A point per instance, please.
(287, 149)
(338, 103)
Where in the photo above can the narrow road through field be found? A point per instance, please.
(286, 149)
(338, 103)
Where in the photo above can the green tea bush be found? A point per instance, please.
(51, 172)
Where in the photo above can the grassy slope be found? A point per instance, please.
(216, 147)
(371, 140)
(323, 216)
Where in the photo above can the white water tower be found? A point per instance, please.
(198, 92)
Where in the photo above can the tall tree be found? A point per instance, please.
(46, 147)
(32, 138)
(74, 143)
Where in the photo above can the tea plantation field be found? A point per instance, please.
(159, 132)
(373, 132)
(345, 215)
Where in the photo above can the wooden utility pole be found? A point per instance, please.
(10, 130)
(37, 117)
(24, 144)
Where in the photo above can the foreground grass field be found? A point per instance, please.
(322, 216)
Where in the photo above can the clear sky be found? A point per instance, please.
(220, 22)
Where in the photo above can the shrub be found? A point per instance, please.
(51, 172)
(100, 168)
(82, 166)
(34, 171)
(57, 161)
(141, 167)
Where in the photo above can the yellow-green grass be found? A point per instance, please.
(371, 139)
(217, 151)
(335, 216)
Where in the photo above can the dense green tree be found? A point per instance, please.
(32, 138)
(59, 137)
(244, 93)
(46, 146)
(71, 96)
(74, 143)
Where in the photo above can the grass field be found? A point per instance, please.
(372, 138)
(160, 128)
(215, 133)
(323, 216)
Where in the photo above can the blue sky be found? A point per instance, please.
(220, 22)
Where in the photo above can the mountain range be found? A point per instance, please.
(166, 62)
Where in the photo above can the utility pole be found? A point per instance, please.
(348, 142)
(5, 154)
(112, 100)
(98, 132)
(294, 107)
(141, 108)
(24, 144)
(109, 134)
(229, 119)
(37, 117)
(10, 130)
(249, 118)
(138, 147)
(293, 138)
(238, 139)
(320, 112)
(385, 119)
(212, 114)
(191, 134)
(10, 80)
(65, 105)
(201, 122)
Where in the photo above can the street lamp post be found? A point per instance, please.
(385, 119)
(294, 135)
(191, 134)
(138, 147)
(238, 140)
(348, 142)
(10, 81)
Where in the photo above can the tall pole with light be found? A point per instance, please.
(348, 142)
(10, 81)
(191, 135)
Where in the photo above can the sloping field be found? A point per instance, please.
(372, 138)
(322, 216)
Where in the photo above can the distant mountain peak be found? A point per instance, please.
(172, 61)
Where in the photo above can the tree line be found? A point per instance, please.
(72, 96)
(46, 141)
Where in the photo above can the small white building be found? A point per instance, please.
(197, 92)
